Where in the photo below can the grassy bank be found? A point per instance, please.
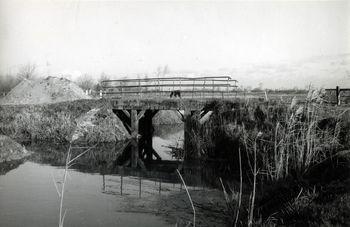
(57, 122)
(281, 163)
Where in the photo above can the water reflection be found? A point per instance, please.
(169, 132)
(28, 198)
(100, 191)
(166, 138)
(103, 159)
(7, 166)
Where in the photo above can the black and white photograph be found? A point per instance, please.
(174, 113)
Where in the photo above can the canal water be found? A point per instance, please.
(98, 191)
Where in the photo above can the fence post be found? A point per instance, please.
(337, 93)
(160, 185)
(121, 182)
(139, 185)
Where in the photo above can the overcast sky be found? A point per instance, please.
(136, 37)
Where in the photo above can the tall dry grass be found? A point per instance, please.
(280, 142)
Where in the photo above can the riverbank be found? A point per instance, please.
(12, 154)
(57, 122)
(292, 161)
(10, 150)
(174, 206)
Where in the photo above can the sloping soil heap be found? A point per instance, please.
(49, 90)
(100, 125)
(11, 150)
(167, 117)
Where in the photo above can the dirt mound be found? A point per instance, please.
(167, 117)
(100, 125)
(11, 150)
(49, 90)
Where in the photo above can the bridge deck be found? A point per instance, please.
(163, 104)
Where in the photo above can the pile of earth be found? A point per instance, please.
(11, 150)
(167, 117)
(40, 91)
(99, 124)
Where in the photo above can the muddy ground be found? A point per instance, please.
(172, 203)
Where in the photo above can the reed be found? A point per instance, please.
(69, 163)
(296, 139)
(189, 197)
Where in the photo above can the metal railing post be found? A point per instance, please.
(139, 89)
(122, 93)
(212, 93)
(193, 87)
(203, 88)
(227, 86)
(180, 84)
(128, 88)
(158, 88)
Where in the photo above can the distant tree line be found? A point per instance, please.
(9, 81)
(87, 82)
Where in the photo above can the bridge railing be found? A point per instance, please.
(188, 87)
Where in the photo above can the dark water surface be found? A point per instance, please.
(98, 191)
(28, 198)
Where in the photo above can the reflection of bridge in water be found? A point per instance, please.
(104, 160)
(136, 101)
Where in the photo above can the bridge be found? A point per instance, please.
(136, 101)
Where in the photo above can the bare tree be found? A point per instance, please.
(103, 77)
(27, 71)
(85, 81)
(162, 71)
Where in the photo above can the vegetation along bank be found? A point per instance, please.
(93, 120)
(280, 164)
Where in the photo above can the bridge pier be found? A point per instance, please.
(139, 125)
(191, 140)
(134, 137)
(146, 131)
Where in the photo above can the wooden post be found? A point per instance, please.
(103, 183)
(146, 130)
(134, 137)
(187, 129)
(337, 93)
(139, 185)
(121, 182)
(160, 184)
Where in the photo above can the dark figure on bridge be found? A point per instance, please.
(175, 93)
